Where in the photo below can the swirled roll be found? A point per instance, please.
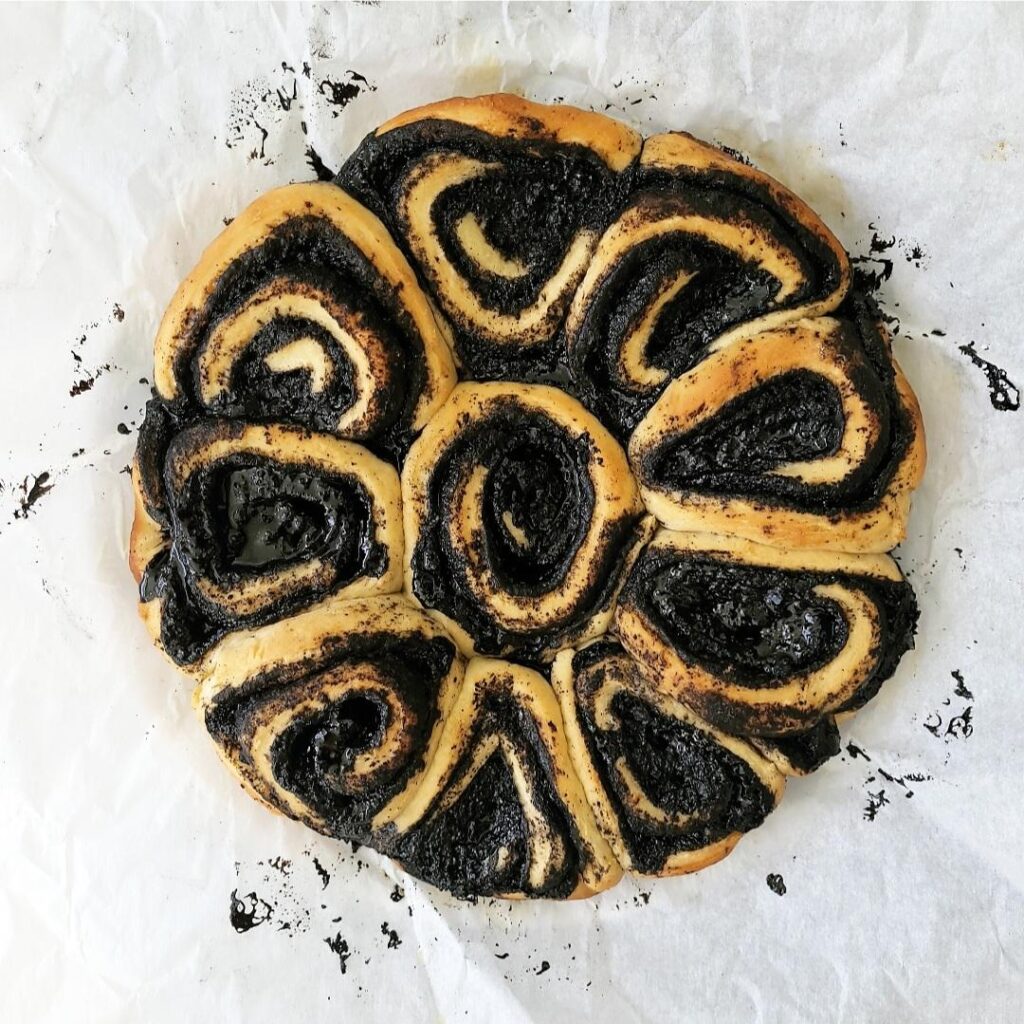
(332, 716)
(709, 249)
(260, 520)
(671, 793)
(521, 519)
(500, 811)
(500, 203)
(805, 436)
(763, 641)
(303, 310)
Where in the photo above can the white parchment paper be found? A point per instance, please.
(127, 134)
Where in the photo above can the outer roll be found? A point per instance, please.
(304, 310)
(500, 811)
(261, 521)
(761, 641)
(708, 250)
(807, 436)
(499, 202)
(332, 716)
(521, 519)
(671, 793)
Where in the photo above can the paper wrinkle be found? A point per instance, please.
(124, 834)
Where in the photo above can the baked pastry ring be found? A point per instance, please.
(521, 520)
(805, 436)
(304, 310)
(368, 567)
(333, 715)
(257, 521)
(500, 203)
(500, 811)
(671, 793)
(708, 250)
(763, 641)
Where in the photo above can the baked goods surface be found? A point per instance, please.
(520, 501)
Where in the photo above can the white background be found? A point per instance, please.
(125, 138)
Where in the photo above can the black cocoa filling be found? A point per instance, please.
(725, 291)
(680, 768)
(529, 211)
(458, 848)
(310, 250)
(243, 516)
(758, 626)
(312, 757)
(538, 504)
(808, 751)
(159, 426)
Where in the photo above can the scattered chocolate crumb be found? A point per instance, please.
(961, 690)
(247, 912)
(544, 966)
(1002, 392)
(324, 874)
(339, 947)
(32, 493)
(118, 312)
(123, 428)
(776, 884)
(392, 936)
(320, 169)
(397, 894)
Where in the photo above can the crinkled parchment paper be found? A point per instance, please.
(127, 135)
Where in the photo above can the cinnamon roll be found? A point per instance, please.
(805, 436)
(521, 519)
(500, 810)
(332, 716)
(500, 203)
(708, 250)
(304, 310)
(763, 641)
(671, 793)
(258, 521)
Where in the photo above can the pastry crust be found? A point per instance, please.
(502, 114)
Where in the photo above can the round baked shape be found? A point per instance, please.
(671, 793)
(261, 519)
(398, 492)
(500, 203)
(763, 641)
(708, 249)
(521, 519)
(304, 310)
(333, 715)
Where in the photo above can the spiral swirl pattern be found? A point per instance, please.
(399, 485)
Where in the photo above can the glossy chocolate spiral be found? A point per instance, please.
(671, 793)
(806, 436)
(761, 641)
(303, 310)
(500, 811)
(521, 519)
(709, 249)
(332, 716)
(257, 521)
(803, 752)
(500, 203)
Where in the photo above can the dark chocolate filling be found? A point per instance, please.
(680, 768)
(757, 626)
(540, 480)
(457, 848)
(529, 211)
(808, 751)
(313, 757)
